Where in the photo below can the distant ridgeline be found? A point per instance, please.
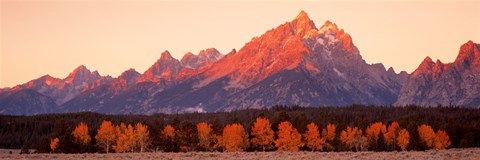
(296, 63)
(354, 128)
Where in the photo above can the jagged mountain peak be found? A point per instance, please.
(128, 73)
(204, 57)
(233, 51)
(303, 25)
(166, 56)
(468, 56)
(164, 68)
(187, 56)
(329, 26)
(208, 51)
(302, 15)
(44, 80)
(82, 74)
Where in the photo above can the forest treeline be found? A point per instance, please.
(354, 128)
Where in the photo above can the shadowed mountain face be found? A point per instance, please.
(436, 83)
(295, 63)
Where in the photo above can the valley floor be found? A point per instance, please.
(469, 154)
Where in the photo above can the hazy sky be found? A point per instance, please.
(54, 37)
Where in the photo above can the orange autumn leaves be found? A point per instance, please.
(288, 137)
(353, 138)
(122, 138)
(439, 140)
(80, 134)
(235, 138)
(263, 135)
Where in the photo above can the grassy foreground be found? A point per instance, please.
(470, 153)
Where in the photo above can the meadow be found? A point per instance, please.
(456, 154)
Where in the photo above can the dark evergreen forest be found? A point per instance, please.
(461, 124)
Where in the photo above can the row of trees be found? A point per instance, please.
(234, 137)
(36, 132)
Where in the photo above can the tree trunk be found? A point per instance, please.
(108, 145)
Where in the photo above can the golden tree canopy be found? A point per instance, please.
(329, 132)
(426, 135)
(352, 138)
(168, 132)
(392, 132)
(442, 141)
(403, 139)
(263, 135)
(126, 139)
(288, 137)
(204, 135)
(312, 137)
(106, 135)
(80, 134)
(375, 129)
(54, 144)
(234, 138)
(142, 136)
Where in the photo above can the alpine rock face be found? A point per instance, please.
(63, 90)
(294, 64)
(436, 83)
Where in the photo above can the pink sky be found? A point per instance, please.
(41, 37)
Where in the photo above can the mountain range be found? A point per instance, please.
(295, 63)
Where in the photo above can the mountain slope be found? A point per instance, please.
(436, 83)
(294, 63)
(27, 102)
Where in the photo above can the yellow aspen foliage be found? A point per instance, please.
(80, 134)
(312, 138)
(168, 133)
(204, 135)
(106, 135)
(234, 138)
(392, 132)
(442, 141)
(374, 130)
(403, 139)
(142, 136)
(219, 143)
(426, 135)
(352, 138)
(329, 132)
(263, 135)
(54, 144)
(125, 138)
(288, 137)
